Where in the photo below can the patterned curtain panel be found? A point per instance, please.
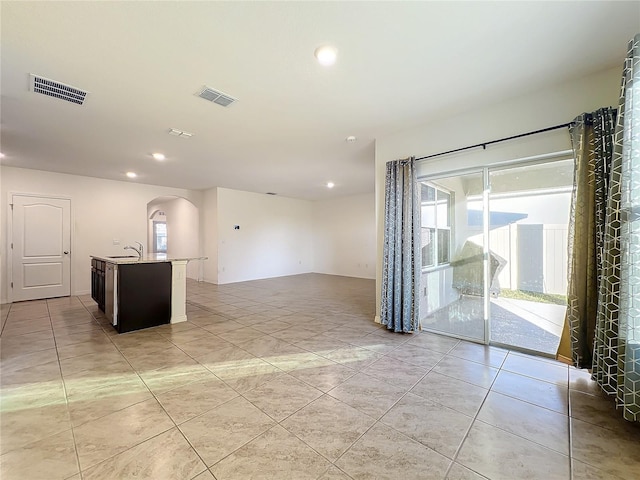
(592, 141)
(401, 255)
(616, 363)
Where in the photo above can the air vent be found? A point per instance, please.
(216, 97)
(55, 89)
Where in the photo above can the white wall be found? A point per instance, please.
(274, 238)
(344, 236)
(549, 107)
(209, 222)
(101, 210)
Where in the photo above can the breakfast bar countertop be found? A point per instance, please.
(147, 258)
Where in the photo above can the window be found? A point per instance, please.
(435, 213)
(160, 236)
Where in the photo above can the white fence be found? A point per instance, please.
(536, 256)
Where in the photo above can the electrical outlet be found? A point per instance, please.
(116, 241)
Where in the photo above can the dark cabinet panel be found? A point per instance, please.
(144, 295)
(97, 282)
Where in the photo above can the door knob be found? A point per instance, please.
(66, 253)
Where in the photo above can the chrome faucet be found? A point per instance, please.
(138, 250)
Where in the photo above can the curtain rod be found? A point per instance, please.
(484, 144)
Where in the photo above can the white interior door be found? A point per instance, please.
(41, 243)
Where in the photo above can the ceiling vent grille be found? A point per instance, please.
(216, 96)
(55, 89)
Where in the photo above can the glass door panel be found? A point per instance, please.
(528, 228)
(452, 299)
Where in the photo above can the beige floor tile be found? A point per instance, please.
(294, 334)
(492, 356)
(557, 373)
(189, 401)
(85, 348)
(471, 372)
(266, 346)
(537, 424)
(173, 376)
(582, 471)
(223, 430)
(369, 395)
(27, 343)
(329, 426)
(210, 347)
(543, 394)
(119, 431)
(383, 453)
(497, 454)
(282, 396)
(215, 325)
(581, 380)
(600, 410)
(269, 326)
(32, 395)
(274, 454)
(22, 327)
(323, 377)
(461, 396)
(458, 472)
(63, 340)
(403, 374)
(100, 402)
(206, 475)
(436, 426)
(23, 426)
(166, 456)
(615, 453)
(28, 360)
(178, 337)
(244, 375)
(99, 361)
(334, 473)
(353, 357)
(240, 335)
(421, 357)
(149, 361)
(51, 458)
(101, 376)
(321, 344)
(438, 343)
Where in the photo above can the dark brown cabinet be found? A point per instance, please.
(98, 268)
(143, 295)
(133, 296)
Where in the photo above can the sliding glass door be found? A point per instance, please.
(494, 254)
(528, 222)
(452, 297)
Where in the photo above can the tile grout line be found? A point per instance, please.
(66, 397)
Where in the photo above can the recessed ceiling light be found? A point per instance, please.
(131, 174)
(330, 184)
(351, 139)
(158, 156)
(326, 55)
(1, 155)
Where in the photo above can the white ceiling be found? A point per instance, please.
(400, 64)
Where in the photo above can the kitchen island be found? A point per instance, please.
(136, 293)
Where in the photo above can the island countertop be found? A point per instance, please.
(147, 258)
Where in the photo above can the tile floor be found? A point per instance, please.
(288, 378)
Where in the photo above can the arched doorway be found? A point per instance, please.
(174, 228)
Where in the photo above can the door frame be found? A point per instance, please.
(485, 170)
(9, 250)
